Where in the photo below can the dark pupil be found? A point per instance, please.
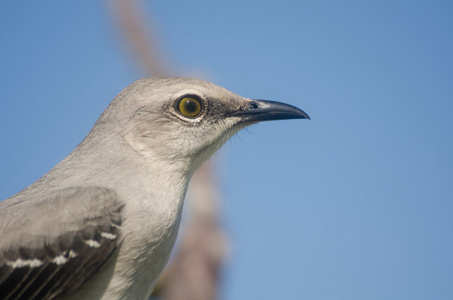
(191, 106)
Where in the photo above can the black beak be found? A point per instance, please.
(264, 110)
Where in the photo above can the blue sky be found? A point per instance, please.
(355, 204)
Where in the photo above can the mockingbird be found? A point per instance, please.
(102, 223)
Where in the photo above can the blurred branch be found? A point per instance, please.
(193, 273)
(133, 28)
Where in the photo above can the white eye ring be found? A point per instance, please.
(175, 107)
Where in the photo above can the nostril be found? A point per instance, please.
(253, 105)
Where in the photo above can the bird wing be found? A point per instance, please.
(51, 243)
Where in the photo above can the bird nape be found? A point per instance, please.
(101, 224)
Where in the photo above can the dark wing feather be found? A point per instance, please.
(51, 244)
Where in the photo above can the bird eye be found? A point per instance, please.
(189, 106)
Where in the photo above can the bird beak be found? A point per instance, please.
(264, 110)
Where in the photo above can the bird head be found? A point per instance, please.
(185, 120)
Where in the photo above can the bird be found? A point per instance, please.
(102, 223)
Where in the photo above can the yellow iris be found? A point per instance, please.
(189, 107)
